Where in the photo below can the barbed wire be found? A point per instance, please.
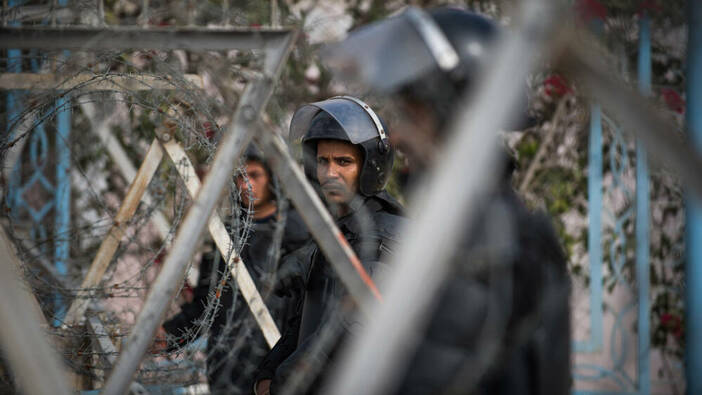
(135, 93)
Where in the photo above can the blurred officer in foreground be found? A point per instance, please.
(347, 154)
(235, 343)
(501, 323)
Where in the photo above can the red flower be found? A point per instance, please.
(649, 5)
(188, 291)
(673, 324)
(678, 332)
(201, 172)
(556, 85)
(673, 100)
(159, 257)
(209, 130)
(591, 9)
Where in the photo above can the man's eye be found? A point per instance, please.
(321, 161)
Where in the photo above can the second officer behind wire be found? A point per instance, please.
(235, 344)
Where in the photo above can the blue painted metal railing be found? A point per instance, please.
(642, 219)
(14, 65)
(60, 191)
(63, 192)
(618, 164)
(693, 318)
(594, 343)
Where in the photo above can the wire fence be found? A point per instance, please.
(125, 119)
(117, 102)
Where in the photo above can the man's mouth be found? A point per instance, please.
(334, 188)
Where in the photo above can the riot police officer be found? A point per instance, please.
(235, 345)
(346, 153)
(427, 62)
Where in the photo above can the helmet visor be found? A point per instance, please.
(353, 119)
(382, 56)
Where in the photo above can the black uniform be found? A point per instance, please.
(501, 324)
(372, 230)
(235, 344)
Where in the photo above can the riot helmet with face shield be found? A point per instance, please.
(431, 57)
(347, 119)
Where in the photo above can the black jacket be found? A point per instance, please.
(235, 344)
(372, 230)
(501, 324)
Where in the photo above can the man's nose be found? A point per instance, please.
(331, 171)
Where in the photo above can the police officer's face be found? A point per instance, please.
(260, 193)
(338, 168)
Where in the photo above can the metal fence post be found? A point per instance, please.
(14, 65)
(594, 184)
(63, 192)
(694, 207)
(642, 217)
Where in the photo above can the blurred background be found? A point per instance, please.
(77, 124)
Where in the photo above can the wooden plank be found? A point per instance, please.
(104, 345)
(94, 82)
(224, 244)
(111, 242)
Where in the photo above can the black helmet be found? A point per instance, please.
(252, 152)
(348, 119)
(431, 56)
(394, 52)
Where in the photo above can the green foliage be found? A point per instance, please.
(527, 148)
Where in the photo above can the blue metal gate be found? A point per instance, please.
(608, 360)
(34, 178)
(615, 376)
